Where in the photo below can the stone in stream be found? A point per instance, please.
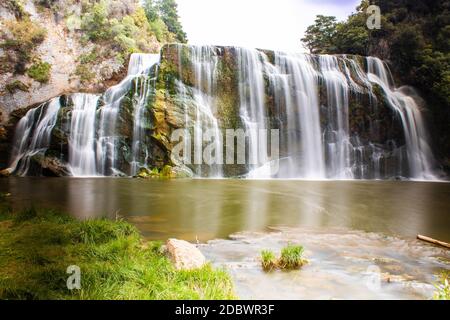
(184, 255)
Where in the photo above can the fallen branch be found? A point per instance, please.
(434, 241)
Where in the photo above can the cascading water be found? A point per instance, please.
(251, 66)
(144, 84)
(302, 119)
(336, 120)
(206, 126)
(82, 135)
(337, 132)
(420, 157)
(32, 135)
(108, 139)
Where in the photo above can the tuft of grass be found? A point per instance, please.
(291, 258)
(443, 288)
(268, 260)
(37, 246)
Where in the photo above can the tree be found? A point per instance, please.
(319, 36)
(169, 14)
(151, 10)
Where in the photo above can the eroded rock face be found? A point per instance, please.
(184, 255)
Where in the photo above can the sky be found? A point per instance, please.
(265, 24)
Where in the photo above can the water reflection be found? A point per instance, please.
(207, 209)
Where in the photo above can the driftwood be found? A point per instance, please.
(434, 241)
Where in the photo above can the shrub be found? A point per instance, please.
(16, 85)
(40, 71)
(95, 22)
(84, 72)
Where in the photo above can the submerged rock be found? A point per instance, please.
(184, 255)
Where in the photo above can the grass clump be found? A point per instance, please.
(268, 260)
(443, 288)
(40, 71)
(37, 246)
(291, 258)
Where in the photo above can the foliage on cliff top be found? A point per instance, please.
(37, 247)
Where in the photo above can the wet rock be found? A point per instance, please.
(51, 166)
(184, 255)
(5, 172)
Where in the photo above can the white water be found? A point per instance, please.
(144, 84)
(82, 135)
(108, 138)
(201, 99)
(420, 157)
(32, 135)
(306, 158)
(251, 67)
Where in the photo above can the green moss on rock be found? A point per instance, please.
(40, 71)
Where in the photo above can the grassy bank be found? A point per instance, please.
(37, 247)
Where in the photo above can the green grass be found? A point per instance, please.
(268, 260)
(291, 258)
(37, 246)
(443, 288)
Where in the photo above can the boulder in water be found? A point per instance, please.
(184, 255)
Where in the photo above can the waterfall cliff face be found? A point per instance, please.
(339, 117)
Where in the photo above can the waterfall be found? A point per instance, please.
(204, 61)
(108, 139)
(82, 135)
(420, 157)
(251, 63)
(145, 82)
(295, 76)
(32, 136)
(339, 117)
(337, 134)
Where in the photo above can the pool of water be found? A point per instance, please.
(209, 209)
(359, 236)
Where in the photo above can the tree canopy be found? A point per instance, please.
(167, 12)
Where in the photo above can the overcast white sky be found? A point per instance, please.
(265, 24)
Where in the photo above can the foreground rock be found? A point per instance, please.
(184, 255)
(5, 172)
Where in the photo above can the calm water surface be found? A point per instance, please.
(209, 209)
